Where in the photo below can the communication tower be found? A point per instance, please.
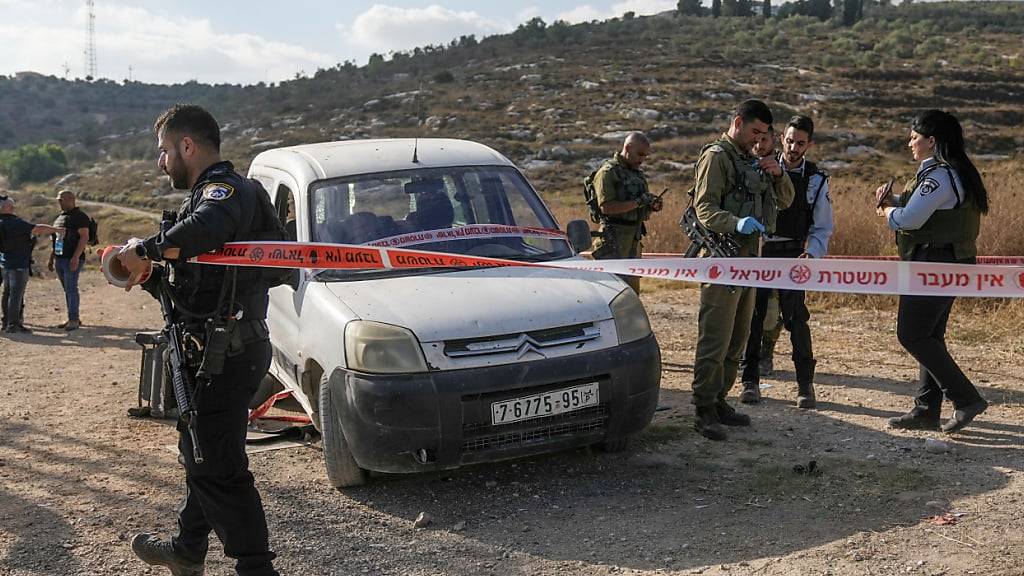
(90, 49)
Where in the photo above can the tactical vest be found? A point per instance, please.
(13, 244)
(795, 222)
(752, 192)
(958, 226)
(634, 185)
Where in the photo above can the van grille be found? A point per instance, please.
(523, 342)
(480, 437)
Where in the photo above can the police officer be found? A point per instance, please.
(801, 231)
(621, 195)
(736, 194)
(936, 219)
(221, 207)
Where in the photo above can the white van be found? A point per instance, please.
(426, 369)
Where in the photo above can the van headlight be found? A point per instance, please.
(379, 348)
(631, 321)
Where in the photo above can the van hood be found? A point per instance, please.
(484, 302)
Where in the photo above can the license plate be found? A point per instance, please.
(546, 404)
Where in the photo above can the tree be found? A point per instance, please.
(729, 8)
(743, 8)
(766, 8)
(33, 163)
(716, 8)
(853, 11)
(689, 8)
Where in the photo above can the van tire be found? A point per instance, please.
(613, 444)
(342, 469)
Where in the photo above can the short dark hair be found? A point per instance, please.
(189, 120)
(750, 110)
(802, 123)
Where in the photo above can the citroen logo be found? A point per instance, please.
(525, 346)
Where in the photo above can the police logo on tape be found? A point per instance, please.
(256, 255)
(1020, 280)
(217, 191)
(800, 274)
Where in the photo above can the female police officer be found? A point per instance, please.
(937, 219)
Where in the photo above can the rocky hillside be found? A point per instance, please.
(557, 99)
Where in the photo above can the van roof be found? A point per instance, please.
(353, 157)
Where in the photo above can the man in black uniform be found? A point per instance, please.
(222, 207)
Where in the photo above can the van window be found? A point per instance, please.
(365, 208)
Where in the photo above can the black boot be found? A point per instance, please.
(805, 384)
(708, 425)
(916, 419)
(751, 393)
(729, 416)
(156, 552)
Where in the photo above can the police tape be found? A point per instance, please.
(472, 231)
(826, 275)
(996, 260)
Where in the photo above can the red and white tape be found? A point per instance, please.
(472, 231)
(827, 275)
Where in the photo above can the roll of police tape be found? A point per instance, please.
(852, 276)
(112, 269)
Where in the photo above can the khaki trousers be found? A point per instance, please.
(722, 329)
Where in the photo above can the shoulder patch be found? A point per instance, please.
(716, 148)
(217, 191)
(927, 186)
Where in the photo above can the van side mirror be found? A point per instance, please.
(578, 232)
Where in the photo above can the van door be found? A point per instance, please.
(285, 310)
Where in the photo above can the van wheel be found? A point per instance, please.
(613, 444)
(342, 469)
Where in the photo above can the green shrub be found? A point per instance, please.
(33, 163)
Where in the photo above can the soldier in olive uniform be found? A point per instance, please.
(621, 195)
(736, 194)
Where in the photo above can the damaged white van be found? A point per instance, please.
(425, 369)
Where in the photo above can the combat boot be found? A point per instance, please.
(707, 423)
(156, 552)
(751, 393)
(805, 385)
(729, 416)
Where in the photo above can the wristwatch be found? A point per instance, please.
(140, 251)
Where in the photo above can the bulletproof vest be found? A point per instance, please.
(795, 222)
(634, 186)
(958, 226)
(199, 286)
(752, 191)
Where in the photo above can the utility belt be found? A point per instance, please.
(782, 248)
(216, 339)
(622, 221)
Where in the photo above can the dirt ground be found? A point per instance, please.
(78, 478)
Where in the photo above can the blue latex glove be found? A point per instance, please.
(749, 225)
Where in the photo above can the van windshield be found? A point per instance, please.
(438, 209)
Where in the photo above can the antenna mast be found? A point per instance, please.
(90, 50)
(419, 117)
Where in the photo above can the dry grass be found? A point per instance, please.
(859, 232)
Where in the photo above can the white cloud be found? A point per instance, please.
(158, 48)
(385, 28)
(587, 12)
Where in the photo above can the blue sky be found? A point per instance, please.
(248, 42)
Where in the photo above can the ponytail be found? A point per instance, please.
(950, 148)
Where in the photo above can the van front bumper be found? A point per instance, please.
(440, 420)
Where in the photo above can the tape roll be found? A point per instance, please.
(114, 272)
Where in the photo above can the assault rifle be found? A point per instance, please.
(183, 382)
(719, 245)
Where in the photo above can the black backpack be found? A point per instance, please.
(94, 239)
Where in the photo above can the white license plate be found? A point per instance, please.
(546, 404)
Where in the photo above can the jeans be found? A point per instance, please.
(69, 281)
(15, 282)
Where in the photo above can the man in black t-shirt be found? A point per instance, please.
(16, 251)
(68, 255)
